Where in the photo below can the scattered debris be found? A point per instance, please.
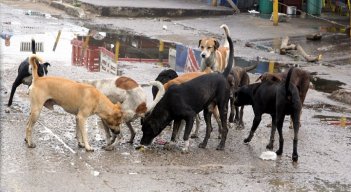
(341, 95)
(268, 155)
(314, 37)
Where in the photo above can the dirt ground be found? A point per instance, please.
(57, 164)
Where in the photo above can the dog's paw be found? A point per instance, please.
(295, 157)
(247, 140)
(220, 147)
(279, 152)
(89, 149)
(194, 136)
(81, 145)
(269, 146)
(32, 145)
(185, 150)
(108, 147)
(202, 145)
(7, 110)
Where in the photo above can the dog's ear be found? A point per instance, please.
(216, 46)
(200, 42)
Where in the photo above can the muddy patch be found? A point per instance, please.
(327, 86)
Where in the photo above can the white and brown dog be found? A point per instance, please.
(213, 55)
(132, 97)
(76, 98)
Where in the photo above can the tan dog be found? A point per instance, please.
(214, 56)
(132, 97)
(76, 98)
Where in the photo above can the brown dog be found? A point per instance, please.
(79, 99)
(237, 78)
(300, 78)
(214, 56)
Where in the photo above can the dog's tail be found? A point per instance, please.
(287, 81)
(32, 61)
(160, 93)
(33, 47)
(230, 59)
(252, 67)
(226, 34)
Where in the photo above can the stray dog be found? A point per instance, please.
(238, 77)
(184, 101)
(214, 56)
(164, 77)
(277, 99)
(25, 74)
(76, 98)
(300, 78)
(130, 94)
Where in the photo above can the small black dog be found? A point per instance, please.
(25, 74)
(184, 101)
(277, 99)
(165, 76)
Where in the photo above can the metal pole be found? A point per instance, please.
(57, 39)
(275, 12)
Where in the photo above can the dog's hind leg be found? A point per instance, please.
(177, 124)
(255, 124)
(132, 132)
(218, 120)
(296, 123)
(280, 132)
(224, 131)
(271, 139)
(34, 115)
(196, 134)
(189, 122)
(232, 108)
(17, 82)
(207, 117)
(83, 131)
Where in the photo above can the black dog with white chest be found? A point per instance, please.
(25, 74)
(184, 101)
(277, 99)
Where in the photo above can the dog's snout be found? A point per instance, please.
(203, 55)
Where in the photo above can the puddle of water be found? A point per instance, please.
(325, 85)
(131, 46)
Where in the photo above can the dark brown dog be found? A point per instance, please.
(300, 78)
(277, 99)
(238, 77)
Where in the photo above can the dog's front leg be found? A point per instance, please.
(132, 132)
(255, 124)
(109, 140)
(189, 122)
(196, 134)
(175, 135)
(79, 135)
(207, 116)
(83, 131)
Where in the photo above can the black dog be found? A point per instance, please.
(276, 99)
(25, 74)
(165, 76)
(184, 101)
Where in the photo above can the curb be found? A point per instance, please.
(69, 9)
(108, 11)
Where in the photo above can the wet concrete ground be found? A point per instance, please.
(57, 164)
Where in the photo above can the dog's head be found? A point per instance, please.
(208, 46)
(164, 77)
(243, 96)
(43, 69)
(114, 119)
(153, 123)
